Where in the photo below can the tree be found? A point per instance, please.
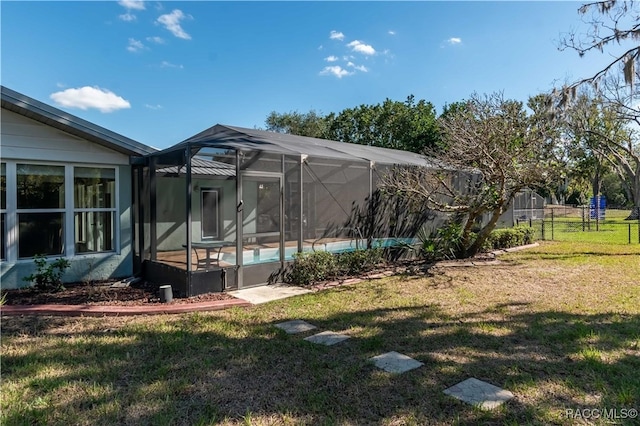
(494, 150)
(408, 125)
(613, 22)
(610, 22)
(603, 129)
(589, 124)
(310, 124)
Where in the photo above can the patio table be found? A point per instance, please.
(209, 246)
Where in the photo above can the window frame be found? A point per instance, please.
(63, 210)
(113, 210)
(218, 192)
(11, 211)
(4, 253)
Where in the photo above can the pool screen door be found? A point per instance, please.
(261, 218)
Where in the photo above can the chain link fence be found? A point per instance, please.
(575, 224)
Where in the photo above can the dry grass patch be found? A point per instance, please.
(559, 326)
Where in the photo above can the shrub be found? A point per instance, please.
(509, 237)
(309, 267)
(359, 261)
(47, 277)
(443, 243)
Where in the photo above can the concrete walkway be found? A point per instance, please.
(268, 293)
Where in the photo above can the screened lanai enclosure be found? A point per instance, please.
(229, 207)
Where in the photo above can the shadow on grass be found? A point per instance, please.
(201, 368)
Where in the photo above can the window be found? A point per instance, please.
(94, 209)
(40, 202)
(57, 210)
(3, 207)
(209, 211)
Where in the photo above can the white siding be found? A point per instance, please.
(24, 138)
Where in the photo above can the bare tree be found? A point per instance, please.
(608, 126)
(493, 151)
(610, 22)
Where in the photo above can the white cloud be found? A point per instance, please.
(454, 40)
(132, 4)
(331, 58)
(90, 97)
(357, 67)
(360, 47)
(335, 70)
(336, 35)
(391, 32)
(135, 45)
(171, 22)
(128, 17)
(156, 40)
(153, 107)
(167, 64)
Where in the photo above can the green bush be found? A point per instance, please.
(47, 277)
(509, 237)
(310, 267)
(359, 261)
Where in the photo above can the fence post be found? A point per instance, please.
(552, 221)
(543, 230)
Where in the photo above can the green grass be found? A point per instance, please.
(558, 325)
(568, 225)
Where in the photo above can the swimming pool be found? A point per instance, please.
(265, 255)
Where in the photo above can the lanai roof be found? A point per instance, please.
(243, 139)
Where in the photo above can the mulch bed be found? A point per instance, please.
(142, 293)
(145, 294)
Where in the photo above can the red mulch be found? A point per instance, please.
(142, 293)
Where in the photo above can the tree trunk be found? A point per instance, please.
(596, 183)
(635, 193)
(484, 233)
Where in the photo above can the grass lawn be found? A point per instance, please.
(558, 325)
(568, 226)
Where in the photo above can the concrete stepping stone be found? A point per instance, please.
(295, 326)
(394, 362)
(481, 394)
(326, 338)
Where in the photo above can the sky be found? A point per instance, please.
(160, 72)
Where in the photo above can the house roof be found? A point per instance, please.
(243, 139)
(46, 114)
(202, 167)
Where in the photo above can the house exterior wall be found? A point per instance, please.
(26, 141)
(171, 210)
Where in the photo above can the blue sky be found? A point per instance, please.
(159, 72)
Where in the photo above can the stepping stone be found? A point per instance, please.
(295, 326)
(395, 362)
(326, 338)
(481, 394)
